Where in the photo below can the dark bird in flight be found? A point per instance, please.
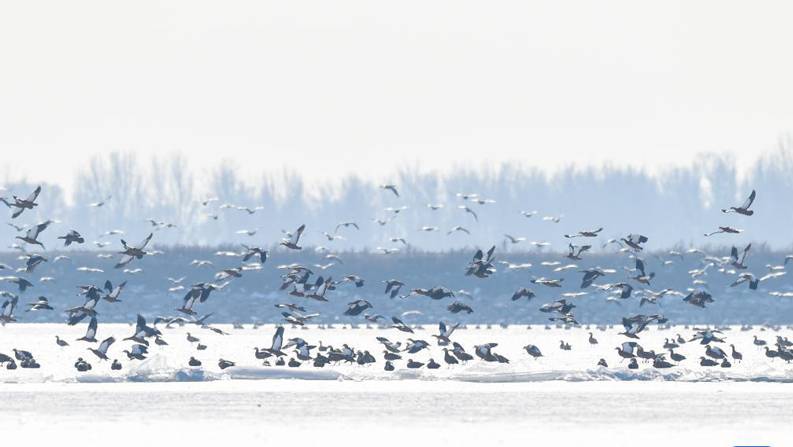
(744, 208)
(22, 204)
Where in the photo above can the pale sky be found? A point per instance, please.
(329, 88)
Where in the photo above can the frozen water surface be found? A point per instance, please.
(406, 412)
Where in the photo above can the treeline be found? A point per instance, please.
(673, 208)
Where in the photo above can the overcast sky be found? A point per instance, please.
(362, 86)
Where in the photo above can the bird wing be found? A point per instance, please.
(105, 345)
(125, 259)
(640, 266)
(34, 195)
(745, 252)
(145, 242)
(749, 200)
(92, 325)
(298, 233)
(278, 339)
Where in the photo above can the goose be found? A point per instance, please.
(715, 352)
(481, 266)
(392, 287)
(31, 236)
(143, 331)
(113, 292)
(101, 352)
(414, 364)
(135, 252)
(523, 292)
(250, 252)
(448, 358)
(390, 187)
(90, 332)
(744, 207)
(41, 303)
(61, 342)
(293, 240)
(576, 255)
(724, 229)
(277, 343)
(444, 332)
(72, 237)
(415, 346)
(590, 275)
(81, 365)
(675, 356)
(435, 293)
(457, 307)
(354, 279)
(533, 351)
(585, 233)
(485, 352)
(138, 352)
(735, 354)
(626, 350)
(22, 204)
(357, 307)
(741, 265)
(634, 241)
(7, 310)
(460, 353)
(223, 363)
(373, 318)
(704, 361)
(602, 362)
(642, 277)
(699, 298)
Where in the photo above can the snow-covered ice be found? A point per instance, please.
(169, 363)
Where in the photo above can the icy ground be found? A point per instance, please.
(397, 413)
(169, 363)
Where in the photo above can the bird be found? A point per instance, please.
(72, 237)
(391, 188)
(31, 236)
(134, 252)
(20, 204)
(744, 207)
(725, 229)
(585, 233)
(293, 240)
(533, 350)
(523, 292)
(101, 352)
(41, 303)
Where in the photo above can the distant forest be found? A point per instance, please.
(674, 208)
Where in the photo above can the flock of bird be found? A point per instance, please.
(301, 285)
